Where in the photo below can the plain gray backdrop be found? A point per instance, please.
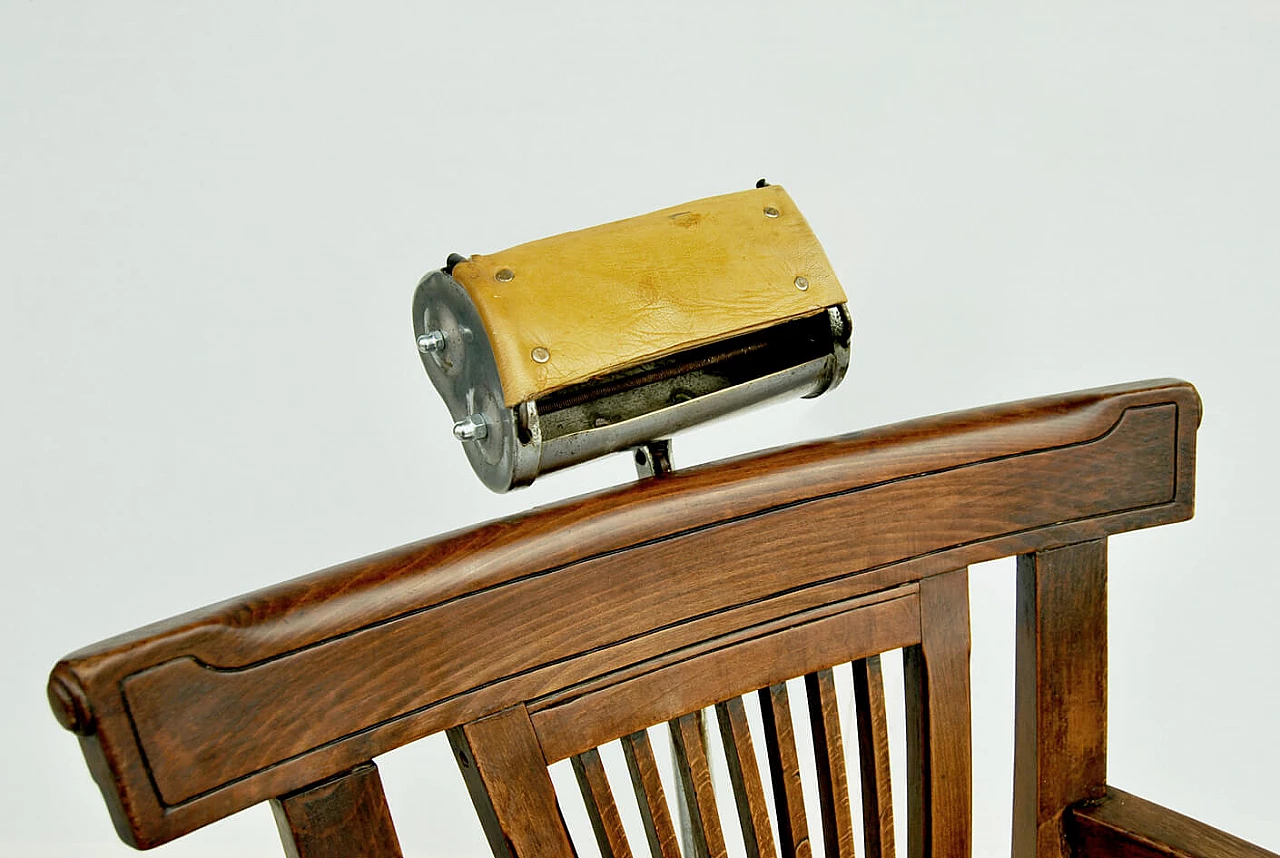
(212, 218)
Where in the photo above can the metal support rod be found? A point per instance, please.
(653, 459)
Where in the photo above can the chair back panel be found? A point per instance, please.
(656, 690)
(192, 719)
(929, 621)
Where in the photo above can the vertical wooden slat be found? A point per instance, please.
(873, 757)
(601, 809)
(784, 772)
(1060, 695)
(916, 691)
(828, 749)
(695, 782)
(944, 638)
(506, 774)
(939, 739)
(342, 816)
(659, 830)
(744, 773)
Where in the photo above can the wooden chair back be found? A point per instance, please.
(682, 600)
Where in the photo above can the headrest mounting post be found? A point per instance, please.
(653, 459)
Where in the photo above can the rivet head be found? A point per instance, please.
(770, 211)
(540, 355)
(802, 283)
(504, 275)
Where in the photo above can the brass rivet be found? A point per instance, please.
(540, 355)
(504, 275)
(770, 211)
(802, 283)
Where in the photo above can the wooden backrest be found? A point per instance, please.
(540, 637)
(504, 757)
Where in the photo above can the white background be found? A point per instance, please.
(212, 220)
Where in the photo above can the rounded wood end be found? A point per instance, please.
(69, 704)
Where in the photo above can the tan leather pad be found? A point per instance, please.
(619, 294)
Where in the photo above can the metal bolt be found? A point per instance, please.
(504, 275)
(540, 355)
(802, 282)
(473, 428)
(431, 341)
(770, 211)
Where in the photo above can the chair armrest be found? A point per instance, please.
(1124, 825)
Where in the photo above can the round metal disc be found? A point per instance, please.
(465, 374)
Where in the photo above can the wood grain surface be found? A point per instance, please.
(190, 719)
(693, 771)
(784, 772)
(342, 816)
(1060, 717)
(1120, 825)
(602, 810)
(655, 814)
(873, 757)
(644, 694)
(828, 754)
(744, 776)
(510, 786)
(939, 738)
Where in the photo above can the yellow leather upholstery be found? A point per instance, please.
(568, 308)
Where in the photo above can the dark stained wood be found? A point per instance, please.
(646, 694)
(744, 774)
(1060, 751)
(343, 816)
(915, 689)
(784, 772)
(192, 719)
(654, 585)
(1120, 825)
(939, 737)
(828, 752)
(873, 757)
(695, 781)
(659, 830)
(606, 823)
(507, 776)
(944, 631)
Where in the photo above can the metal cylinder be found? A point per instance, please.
(510, 445)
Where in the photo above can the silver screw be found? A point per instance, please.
(770, 211)
(540, 355)
(504, 275)
(431, 341)
(472, 428)
(802, 283)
